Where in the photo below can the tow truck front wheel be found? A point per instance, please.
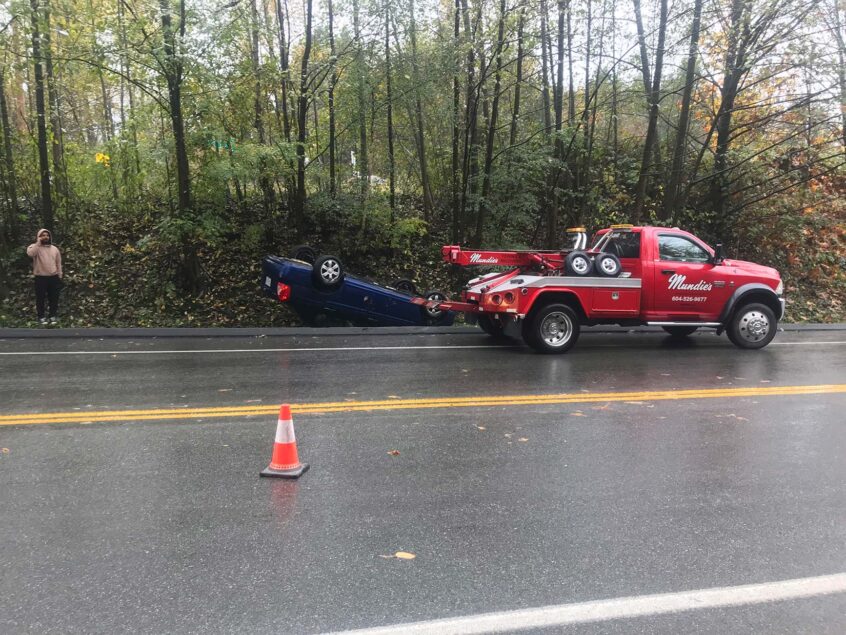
(752, 326)
(553, 329)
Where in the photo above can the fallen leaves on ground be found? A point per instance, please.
(400, 555)
(394, 452)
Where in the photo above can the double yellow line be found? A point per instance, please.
(172, 414)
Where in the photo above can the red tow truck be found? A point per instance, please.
(630, 276)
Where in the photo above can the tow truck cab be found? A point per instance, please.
(668, 277)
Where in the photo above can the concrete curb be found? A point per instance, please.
(98, 333)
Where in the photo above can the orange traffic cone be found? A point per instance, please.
(285, 463)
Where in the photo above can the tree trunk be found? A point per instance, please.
(456, 101)
(547, 119)
(283, 66)
(486, 178)
(515, 114)
(363, 164)
(57, 146)
(268, 194)
(654, 103)
(470, 115)
(173, 75)
(428, 203)
(671, 194)
(41, 118)
(333, 80)
(644, 66)
(554, 186)
(302, 111)
(391, 165)
(728, 94)
(841, 70)
(11, 233)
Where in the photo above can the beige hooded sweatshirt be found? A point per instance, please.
(46, 259)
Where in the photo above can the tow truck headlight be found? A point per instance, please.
(780, 288)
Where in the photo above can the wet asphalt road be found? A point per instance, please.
(165, 526)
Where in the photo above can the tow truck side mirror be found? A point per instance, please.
(719, 254)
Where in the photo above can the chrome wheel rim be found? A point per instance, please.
(330, 271)
(580, 265)
(753, 326)
(556, 329)
(608, 266)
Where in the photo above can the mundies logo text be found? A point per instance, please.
(677, 281)
(476, 258)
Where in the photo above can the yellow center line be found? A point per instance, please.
(163, 414)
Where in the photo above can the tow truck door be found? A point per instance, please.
(687, 285)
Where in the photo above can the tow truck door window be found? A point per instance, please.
(687, 284)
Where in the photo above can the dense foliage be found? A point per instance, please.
(170, 144)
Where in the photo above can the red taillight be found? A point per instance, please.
(283, 292)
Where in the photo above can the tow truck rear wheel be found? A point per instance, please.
(494, 328)
(553, 329)
(752, 326)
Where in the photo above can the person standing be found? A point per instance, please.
(47, 269)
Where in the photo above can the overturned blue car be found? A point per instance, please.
(322, 294)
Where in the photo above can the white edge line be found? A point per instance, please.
(618, 608)
(246, 350)
(332, 349)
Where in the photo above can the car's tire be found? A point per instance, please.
(680, 331)
(578, 263)
(405, 286)
(752, 326)
(327, 272)
(304, 253)
(607, 265)
(494, 328)
(554, 328)
(434, 316)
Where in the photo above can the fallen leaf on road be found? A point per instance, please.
(636, 403)
(394, 452)
(4, 450)
(578, 413)
(394, 397)
(508, 435)
(404, 555)
(481, 428)
(765, 381)
(224, 390)
(605, 407)
(524, 439)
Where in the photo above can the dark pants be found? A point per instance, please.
(47, 288)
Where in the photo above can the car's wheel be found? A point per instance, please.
(406, 286)
(553, 329)
(434, 316)
(327, 272)
(608, 265)
(304, 253)
(752, 326)
(494, 328)
(578, 263)
(680, 331)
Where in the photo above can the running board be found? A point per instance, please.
(697, 324)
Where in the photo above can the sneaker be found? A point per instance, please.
(54, 320)
(42, 320)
